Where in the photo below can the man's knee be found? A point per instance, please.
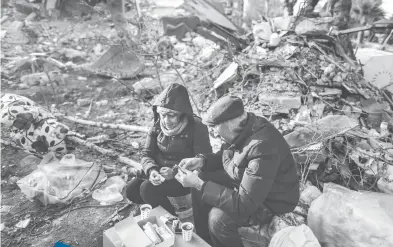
(219, 222)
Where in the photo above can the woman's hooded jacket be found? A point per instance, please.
(167, 151)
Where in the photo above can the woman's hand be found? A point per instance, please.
(167, 173)
(155, 178)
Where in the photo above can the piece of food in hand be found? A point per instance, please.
(157, 177)
(178, 169)
(167, 173)
(175, 170)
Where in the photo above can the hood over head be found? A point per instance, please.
(174, 97)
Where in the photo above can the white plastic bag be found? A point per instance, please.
(110, 192)
(294, 236)
(341, 217)
(58, 181)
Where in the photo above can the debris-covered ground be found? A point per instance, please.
(338, 124)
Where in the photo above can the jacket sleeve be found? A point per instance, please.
(149, 151)
(213, 161)
(201, 144)
(255, 186)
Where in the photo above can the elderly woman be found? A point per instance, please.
(176, 134)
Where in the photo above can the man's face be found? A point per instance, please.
(223, 132)
(170, 119)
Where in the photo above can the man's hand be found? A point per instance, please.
(167, 173)
(191, 164)
(155, 178)
(189, 179)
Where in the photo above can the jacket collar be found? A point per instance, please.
(254, 123)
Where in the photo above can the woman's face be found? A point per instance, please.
(170, 119)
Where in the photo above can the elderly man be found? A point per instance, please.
(252, 178)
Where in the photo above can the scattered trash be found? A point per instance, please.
(110, 192)
(367, 212)
(83, 102)
(102, 103)
(23, 223)
(309, 194)
(274, 40)
(58, 181)
(294, 236)
(5, 209)
(227, 76)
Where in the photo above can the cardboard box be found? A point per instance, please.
(155, 220)
(130, 233)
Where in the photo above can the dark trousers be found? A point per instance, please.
(158, 195)
(218, 228)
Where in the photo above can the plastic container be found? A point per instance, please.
(145, 211)
(187, 230)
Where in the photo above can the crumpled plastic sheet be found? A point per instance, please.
(321, 130)
(341, 217)
(294, 236)
(110, 192)
(58, 181)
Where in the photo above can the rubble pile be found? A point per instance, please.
(338, 123)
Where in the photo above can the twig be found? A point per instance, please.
(313, 44)
(115, 213)
(86, 115)
(106, 125)
(301, 81)
(158, 74)
(133, 91)
(387, 98)
(107, 152)
(185, 85)
(310, 72)
(186, 62)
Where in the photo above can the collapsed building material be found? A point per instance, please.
(207, 12)
(227, 76)
(42, 78)
(119, 62)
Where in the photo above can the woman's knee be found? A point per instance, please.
(147, 189)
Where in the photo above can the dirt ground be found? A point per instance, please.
(79, 227)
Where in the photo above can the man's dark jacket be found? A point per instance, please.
(167, 151)
(262, 167)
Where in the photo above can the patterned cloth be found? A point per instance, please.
(33, 128)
